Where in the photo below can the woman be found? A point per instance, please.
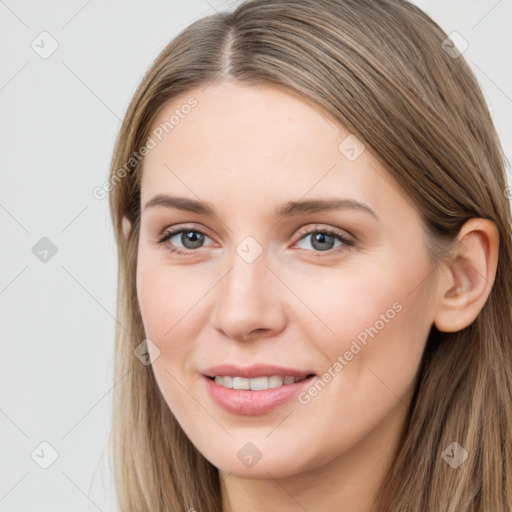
(314, 269)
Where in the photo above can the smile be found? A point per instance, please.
(256, 383)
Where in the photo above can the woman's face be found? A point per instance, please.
(275, 285)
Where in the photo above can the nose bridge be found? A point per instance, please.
(246, 278)
(245, 299)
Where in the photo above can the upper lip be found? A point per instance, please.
(255, 370)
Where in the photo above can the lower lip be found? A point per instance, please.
(253, 403)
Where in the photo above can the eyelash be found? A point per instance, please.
(303, 234)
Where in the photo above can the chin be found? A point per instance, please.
(249, 462)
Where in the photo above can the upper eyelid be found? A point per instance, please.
(173, 231)
(336, 231)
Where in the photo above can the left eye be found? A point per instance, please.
(324, 240)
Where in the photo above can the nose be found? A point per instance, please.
(249, 301)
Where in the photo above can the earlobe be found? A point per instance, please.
(127, 226)
(467, 278)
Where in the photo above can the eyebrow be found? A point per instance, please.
(286, 210)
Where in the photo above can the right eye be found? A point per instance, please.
(190, 239)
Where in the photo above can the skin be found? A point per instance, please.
(247, 150)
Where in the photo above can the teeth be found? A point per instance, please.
(275, 381)
(241, 383)
(256, 383)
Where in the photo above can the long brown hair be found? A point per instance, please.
(381, 69)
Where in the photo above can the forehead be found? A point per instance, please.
(255, 144)
(237, 122)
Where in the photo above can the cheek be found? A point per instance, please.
(168, 298)
(354, 303)
(171, 301)
(374, 325)
(157, 299)
(372, 359)
(164, 301)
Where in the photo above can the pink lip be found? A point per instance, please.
(253, 403)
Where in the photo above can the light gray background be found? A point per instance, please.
(58, 120)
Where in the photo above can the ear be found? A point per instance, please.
(127, 226)
(467, 278)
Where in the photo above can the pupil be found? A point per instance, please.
(320, 237)
(192, 237)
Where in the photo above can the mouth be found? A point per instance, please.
(254, 390)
